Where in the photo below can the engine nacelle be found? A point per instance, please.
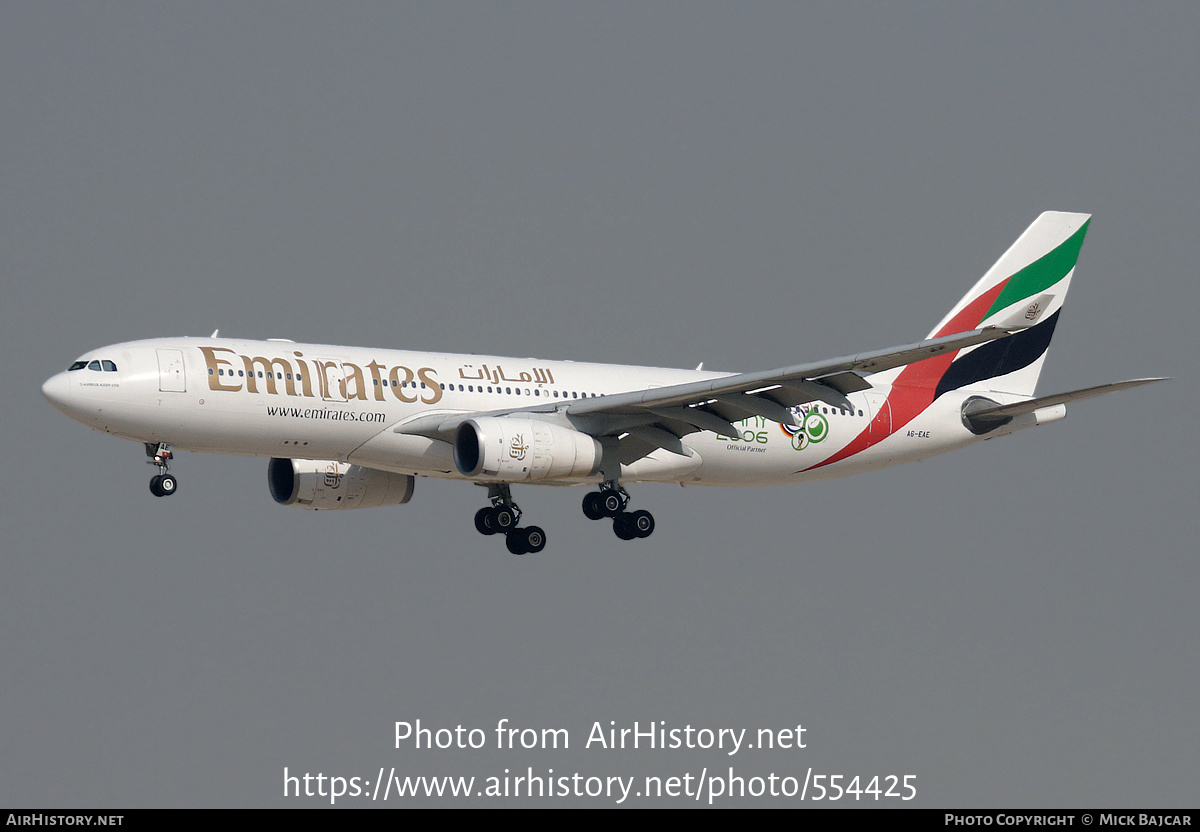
(323, 484)
(514, 450)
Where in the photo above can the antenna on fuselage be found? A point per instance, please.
(216, 332)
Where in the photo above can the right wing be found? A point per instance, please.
(658, 417)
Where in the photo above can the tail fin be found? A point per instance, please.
(1025, 288)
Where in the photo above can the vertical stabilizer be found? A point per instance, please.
(1025, 288)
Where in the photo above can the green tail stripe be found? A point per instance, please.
(1041, 274)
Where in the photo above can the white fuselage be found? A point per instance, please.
(308, 401)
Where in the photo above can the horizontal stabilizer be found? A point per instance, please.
(1008, 411)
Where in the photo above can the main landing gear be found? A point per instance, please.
(162, 484)
(611, 501)
(501, 517)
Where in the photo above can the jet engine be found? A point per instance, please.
(516, 450)
(324, 484)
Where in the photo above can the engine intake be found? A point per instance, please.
(325, 484)
(518, 450)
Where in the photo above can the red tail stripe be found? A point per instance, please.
(916, 386)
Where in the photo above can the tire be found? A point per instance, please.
(503, 520)
(167, 485)
(515, 541)
(154, 486)
(612, 503)
(483, 521)
(623, 527)
(593, 507)
(535, 539)
(642, 523)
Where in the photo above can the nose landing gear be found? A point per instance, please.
(162, 484)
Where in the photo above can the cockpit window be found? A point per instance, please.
(99, 365)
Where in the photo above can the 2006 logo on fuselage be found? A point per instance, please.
(814, 428)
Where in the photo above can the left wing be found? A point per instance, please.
(658, 417)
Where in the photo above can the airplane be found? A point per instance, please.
(350, 427)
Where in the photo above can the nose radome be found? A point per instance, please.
(57, 391)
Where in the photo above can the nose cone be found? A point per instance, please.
(57, 391)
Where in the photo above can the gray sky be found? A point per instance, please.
(748, 185)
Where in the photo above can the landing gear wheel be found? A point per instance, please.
(642, 523)
(535, 539)
(162, 484)
(484, 523)
(612, 503)
(503, 520)
(515, 541)
(593, 506)
(502, 517)
(623, 526)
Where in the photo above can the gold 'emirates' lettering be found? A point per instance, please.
(397, 384)
(351, 385)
